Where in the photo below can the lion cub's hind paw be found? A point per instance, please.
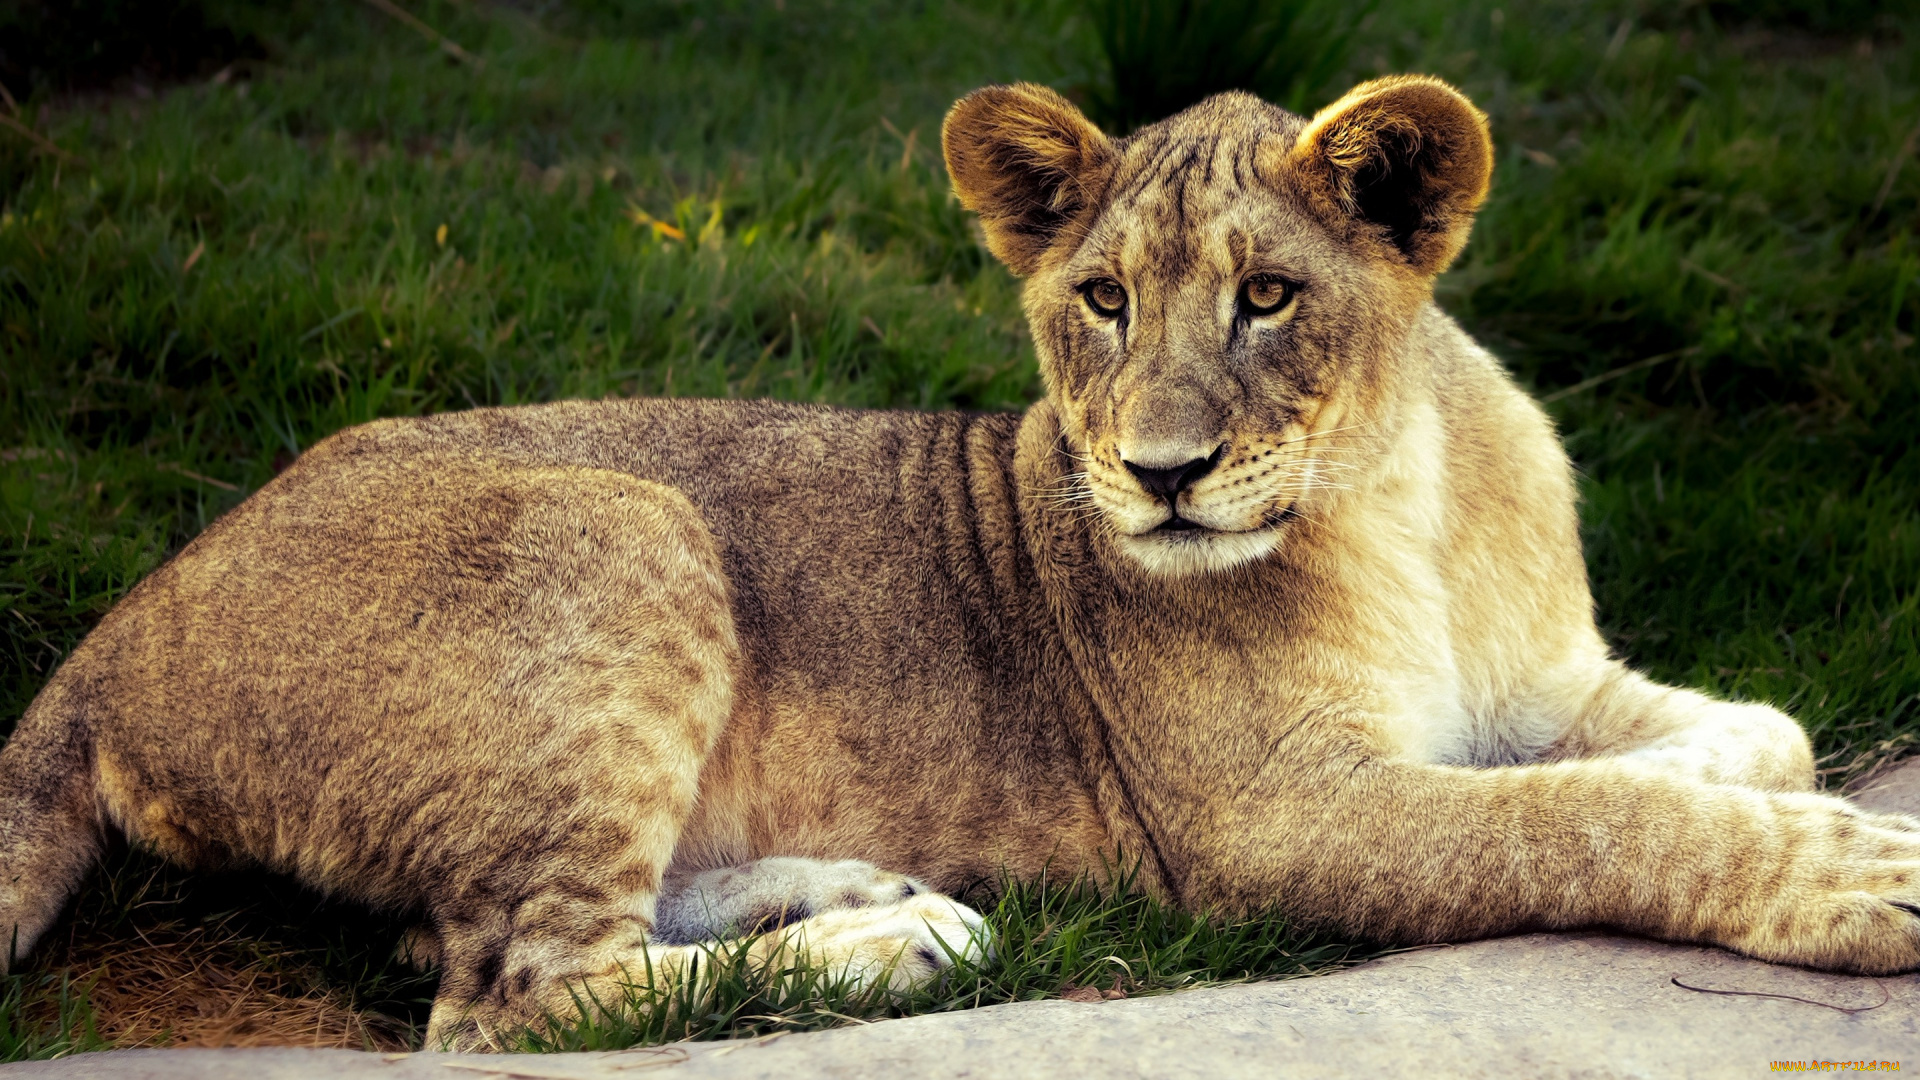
(902, 945)
(766, 894)
(849, 919)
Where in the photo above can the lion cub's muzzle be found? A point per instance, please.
(1184, 489)
(1192, 509)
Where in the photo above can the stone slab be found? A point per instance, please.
(1568, 1005)
(1898, 789)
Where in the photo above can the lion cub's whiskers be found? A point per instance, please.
(1336, 430)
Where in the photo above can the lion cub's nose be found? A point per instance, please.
(1167, 483)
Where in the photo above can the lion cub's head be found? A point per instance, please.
(1221, 301)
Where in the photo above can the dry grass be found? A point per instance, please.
(205, 986)
(157, 955)
(1851, 770)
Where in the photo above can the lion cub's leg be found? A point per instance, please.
(848, 917)
(576, 671)
(1617, 712)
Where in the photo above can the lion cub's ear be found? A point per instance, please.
(1408, 156)
(1025, 160)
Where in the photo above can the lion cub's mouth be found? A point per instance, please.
(1177, 524)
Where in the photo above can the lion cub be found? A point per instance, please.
(1278, 588)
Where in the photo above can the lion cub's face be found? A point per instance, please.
(1217, 300)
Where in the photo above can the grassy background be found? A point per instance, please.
(1702, 249)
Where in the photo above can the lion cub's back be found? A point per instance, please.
(838, 528)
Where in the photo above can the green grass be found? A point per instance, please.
(1703, 247)
(69, 1030)
(1163, 55)
(1051, 937)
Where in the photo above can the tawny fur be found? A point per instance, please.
(515, 668)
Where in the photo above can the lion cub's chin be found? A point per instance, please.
(1199, 551)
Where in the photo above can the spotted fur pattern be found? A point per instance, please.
(1279, 590)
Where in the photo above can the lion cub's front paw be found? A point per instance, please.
(901, 945)
(1851, 895)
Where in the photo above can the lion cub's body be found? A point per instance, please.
(1279, 590)
(891, 663)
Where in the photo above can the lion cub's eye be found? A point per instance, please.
(1266, 294)
(1106, 297)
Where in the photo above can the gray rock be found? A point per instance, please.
(1898, 789)
(1571, 1005)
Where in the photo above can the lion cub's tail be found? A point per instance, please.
(49, 822)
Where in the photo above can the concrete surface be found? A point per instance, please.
(1576, 1005)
